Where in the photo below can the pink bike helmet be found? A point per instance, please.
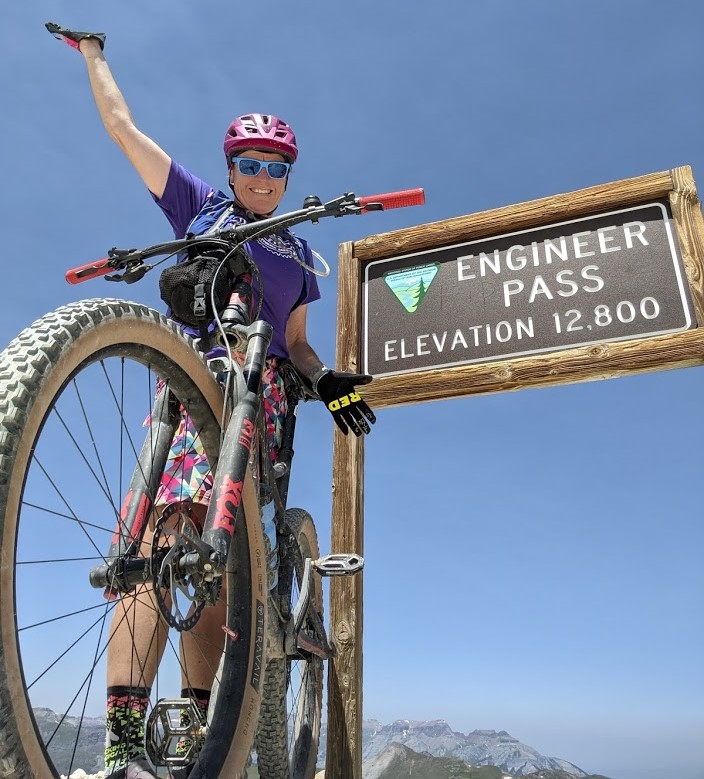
(260, 131)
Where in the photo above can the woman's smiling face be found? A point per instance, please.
(260, 194)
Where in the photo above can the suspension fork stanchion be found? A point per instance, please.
(259, 336)
(235, 452)
(137, 503)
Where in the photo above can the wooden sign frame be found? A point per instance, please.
(560, 367)
(585, 363)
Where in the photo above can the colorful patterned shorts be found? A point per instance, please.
(187, 475)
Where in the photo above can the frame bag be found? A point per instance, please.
(191, 287)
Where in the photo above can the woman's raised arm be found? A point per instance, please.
(150, 161)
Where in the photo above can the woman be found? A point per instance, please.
(260, 150)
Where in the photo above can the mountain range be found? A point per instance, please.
(399, 762)
(387, 750)
(478, 748)
(90, 750)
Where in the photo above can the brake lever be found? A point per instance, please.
(343, 205)
(339, 206)
(349, 203)
(133, 272)
(135, 269)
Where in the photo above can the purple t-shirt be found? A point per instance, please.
(283, 279)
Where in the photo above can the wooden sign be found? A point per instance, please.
(601, 278)
(599, 282)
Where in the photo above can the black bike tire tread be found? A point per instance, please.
(272, 750)
(271, 741)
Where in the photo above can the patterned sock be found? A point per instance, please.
(124, 726)
(201, 698)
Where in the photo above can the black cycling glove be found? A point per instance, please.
(73, 38)
(337, 391)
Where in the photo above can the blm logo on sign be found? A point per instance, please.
(411, 285)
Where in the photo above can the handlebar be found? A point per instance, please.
(131, 261)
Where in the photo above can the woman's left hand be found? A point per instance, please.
(348, 409)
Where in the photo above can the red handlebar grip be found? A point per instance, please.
(407, 197)
(88, 271)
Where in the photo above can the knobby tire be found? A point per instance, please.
(39, 372)
(288, 734)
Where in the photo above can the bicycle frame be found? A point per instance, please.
(125, 571)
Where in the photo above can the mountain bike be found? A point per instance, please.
(91, 397)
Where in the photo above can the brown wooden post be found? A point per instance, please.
(344, 745)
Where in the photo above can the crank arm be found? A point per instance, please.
(312, 640)
(312, 644)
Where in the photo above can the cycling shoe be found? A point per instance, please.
(72, 37)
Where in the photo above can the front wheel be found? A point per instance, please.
(289, 721)
(75, 390)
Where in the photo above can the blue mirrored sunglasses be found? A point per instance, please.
(248, 166)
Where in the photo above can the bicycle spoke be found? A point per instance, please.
(73, 516)
(124, 430)
(85, 460)
(88, 676)
(93, 440)
(61, 617)
(53, 560)
(85, 701)
(74, 643)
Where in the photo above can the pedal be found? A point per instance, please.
(339, 564)
(164, 731)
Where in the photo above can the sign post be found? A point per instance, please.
(593, 284)
(344, 760)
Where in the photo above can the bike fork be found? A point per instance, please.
(235, 453)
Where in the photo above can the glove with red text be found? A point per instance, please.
(72, 37)
(337, 391)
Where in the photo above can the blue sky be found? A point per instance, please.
(534, 559)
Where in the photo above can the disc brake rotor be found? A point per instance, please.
(181, 596)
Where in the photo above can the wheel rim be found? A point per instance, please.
(78, 473)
